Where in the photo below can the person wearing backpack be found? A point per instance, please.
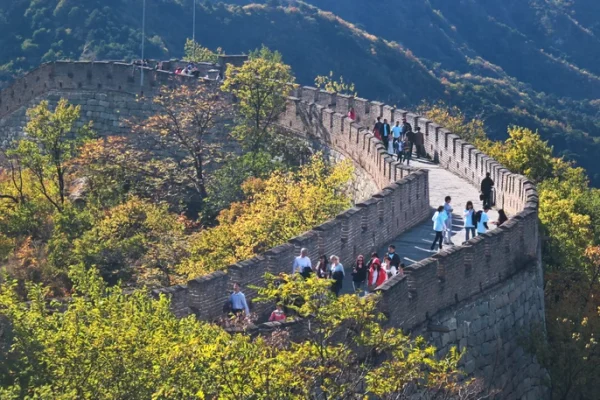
(470, 224)
(482, 220)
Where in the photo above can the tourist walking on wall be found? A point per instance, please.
(337, 274)
(486, 190)
(377, 275)
(302, 264)
(238, 301)
(400, 150)
(468, 215)
(386, 133)
(378, 128)
(389, 268)
(406, 128)
(502, 218)
(396, 133)
(448, 209)
(420, 142)
(321, 270)
(439, 225)
(359, 273)
(394, 258)
(482, 220)
(407, 151)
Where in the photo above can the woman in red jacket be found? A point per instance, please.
(377, 275)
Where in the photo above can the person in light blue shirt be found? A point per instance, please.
(468, 218)
(439, 225)
(448, 209)
(337, 274)
(238, 301)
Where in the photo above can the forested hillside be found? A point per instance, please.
(513, 62)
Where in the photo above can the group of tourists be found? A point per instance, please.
(189, 70)
(366, 276)
(400, 140)
(475, 222)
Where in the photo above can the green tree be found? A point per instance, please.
(261, 87)
(194, 52)
(456, 121)
(105, 344)
(52, 141)
(186, 116)
(332, 85)
(137, 240)
(523, 152)
(275, 209)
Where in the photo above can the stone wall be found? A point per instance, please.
(367, 226)
(500, 270)
(450, 297)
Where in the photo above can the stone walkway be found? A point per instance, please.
(414, 245)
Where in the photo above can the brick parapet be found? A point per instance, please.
(458, 273)
(430, 284)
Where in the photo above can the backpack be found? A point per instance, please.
(477, 217)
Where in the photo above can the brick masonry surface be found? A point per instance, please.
(499, 270)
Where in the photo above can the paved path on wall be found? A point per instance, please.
(414, 245)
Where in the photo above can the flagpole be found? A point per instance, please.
(143, 40)
(194, 30)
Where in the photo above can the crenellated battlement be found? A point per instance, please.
(479, 296)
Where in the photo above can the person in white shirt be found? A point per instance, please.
(448, 231)
(302, 264)
(439, 225)
(468, 218)
(482, 225)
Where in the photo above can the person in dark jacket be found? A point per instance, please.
(420, 142)
(406, 127)
(486, 190)
(322, 270)
(394, 258)
(502, 218)
(359, 273)
(386, 133)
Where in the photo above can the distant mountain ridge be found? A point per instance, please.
(503, 61)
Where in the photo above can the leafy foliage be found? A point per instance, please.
(261, 86)
(106, 344)
(275, 210)
(330, 84)
(134, 237)
(453, 119)
(48, 147)
(196, 53)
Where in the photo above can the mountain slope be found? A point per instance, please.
(442, 55)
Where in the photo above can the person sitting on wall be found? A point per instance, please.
(502, 218)
(277, 314)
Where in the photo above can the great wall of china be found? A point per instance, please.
(484, 296)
